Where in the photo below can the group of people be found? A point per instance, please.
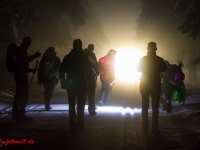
(172, 85)
(78, 73)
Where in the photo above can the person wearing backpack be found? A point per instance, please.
(168, 86)
(107, 76)
(48, 73)
(21, 70)
(75, 76)
(180, 91)
(90, 93)
(10, 57)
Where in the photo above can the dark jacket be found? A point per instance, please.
(93, 61)
(151, 67)
(78, 70)
(107, 68)
(22, 59)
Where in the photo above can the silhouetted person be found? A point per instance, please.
(75, 75)
(151, 66)
(107, 76)
(22, 69)
(48, 73)
(168, 86)
(90, 93)
(180, 92)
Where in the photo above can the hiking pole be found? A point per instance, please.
(33, 73)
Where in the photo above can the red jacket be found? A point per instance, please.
(107, 68)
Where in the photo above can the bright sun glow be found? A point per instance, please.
(126, 61)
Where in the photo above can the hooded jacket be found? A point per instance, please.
(107, 68)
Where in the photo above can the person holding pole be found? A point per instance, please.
(21, 78)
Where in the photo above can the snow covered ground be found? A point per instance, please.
(115, 126)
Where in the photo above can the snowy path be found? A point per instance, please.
(113, 128)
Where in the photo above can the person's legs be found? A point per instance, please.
(155, 95)
(103, 91)
(47, 96)
(72, 114)
(145, 107)
(183, 93)
(86, 96)
(168, 95)
(80, 109)
(49, 86)
(21, 96)
(91, 102)
(162, 100)
(108, 93)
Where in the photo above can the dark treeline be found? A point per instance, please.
(48, 22)
(175, 26)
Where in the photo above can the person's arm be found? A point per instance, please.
(101, 65)
(62, 72)
(62, 69)
(96, 65)
(36, 55)
(90, 77)
(163, 65)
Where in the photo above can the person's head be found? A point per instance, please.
(50, 52)
(152, 47)
(167, 62)
(180, 63)
(27, 41)
(112, 53)
(90, 47)
(77, 44)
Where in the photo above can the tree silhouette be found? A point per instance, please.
(191, 23)
(47, 21)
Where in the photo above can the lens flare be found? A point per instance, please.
(126, 61)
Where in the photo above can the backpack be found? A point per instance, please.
(50, 70)
(179, 76)
(10, 57)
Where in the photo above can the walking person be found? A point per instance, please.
(90, 93)
(168, 86)
(21, 78)
(151, 66)
(180, 91)
(107, 76)
(75, 76)
(48, 73)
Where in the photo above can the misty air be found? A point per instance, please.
(100, 74)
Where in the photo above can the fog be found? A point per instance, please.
(126, 26)
(131, 25)
(118, 20)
